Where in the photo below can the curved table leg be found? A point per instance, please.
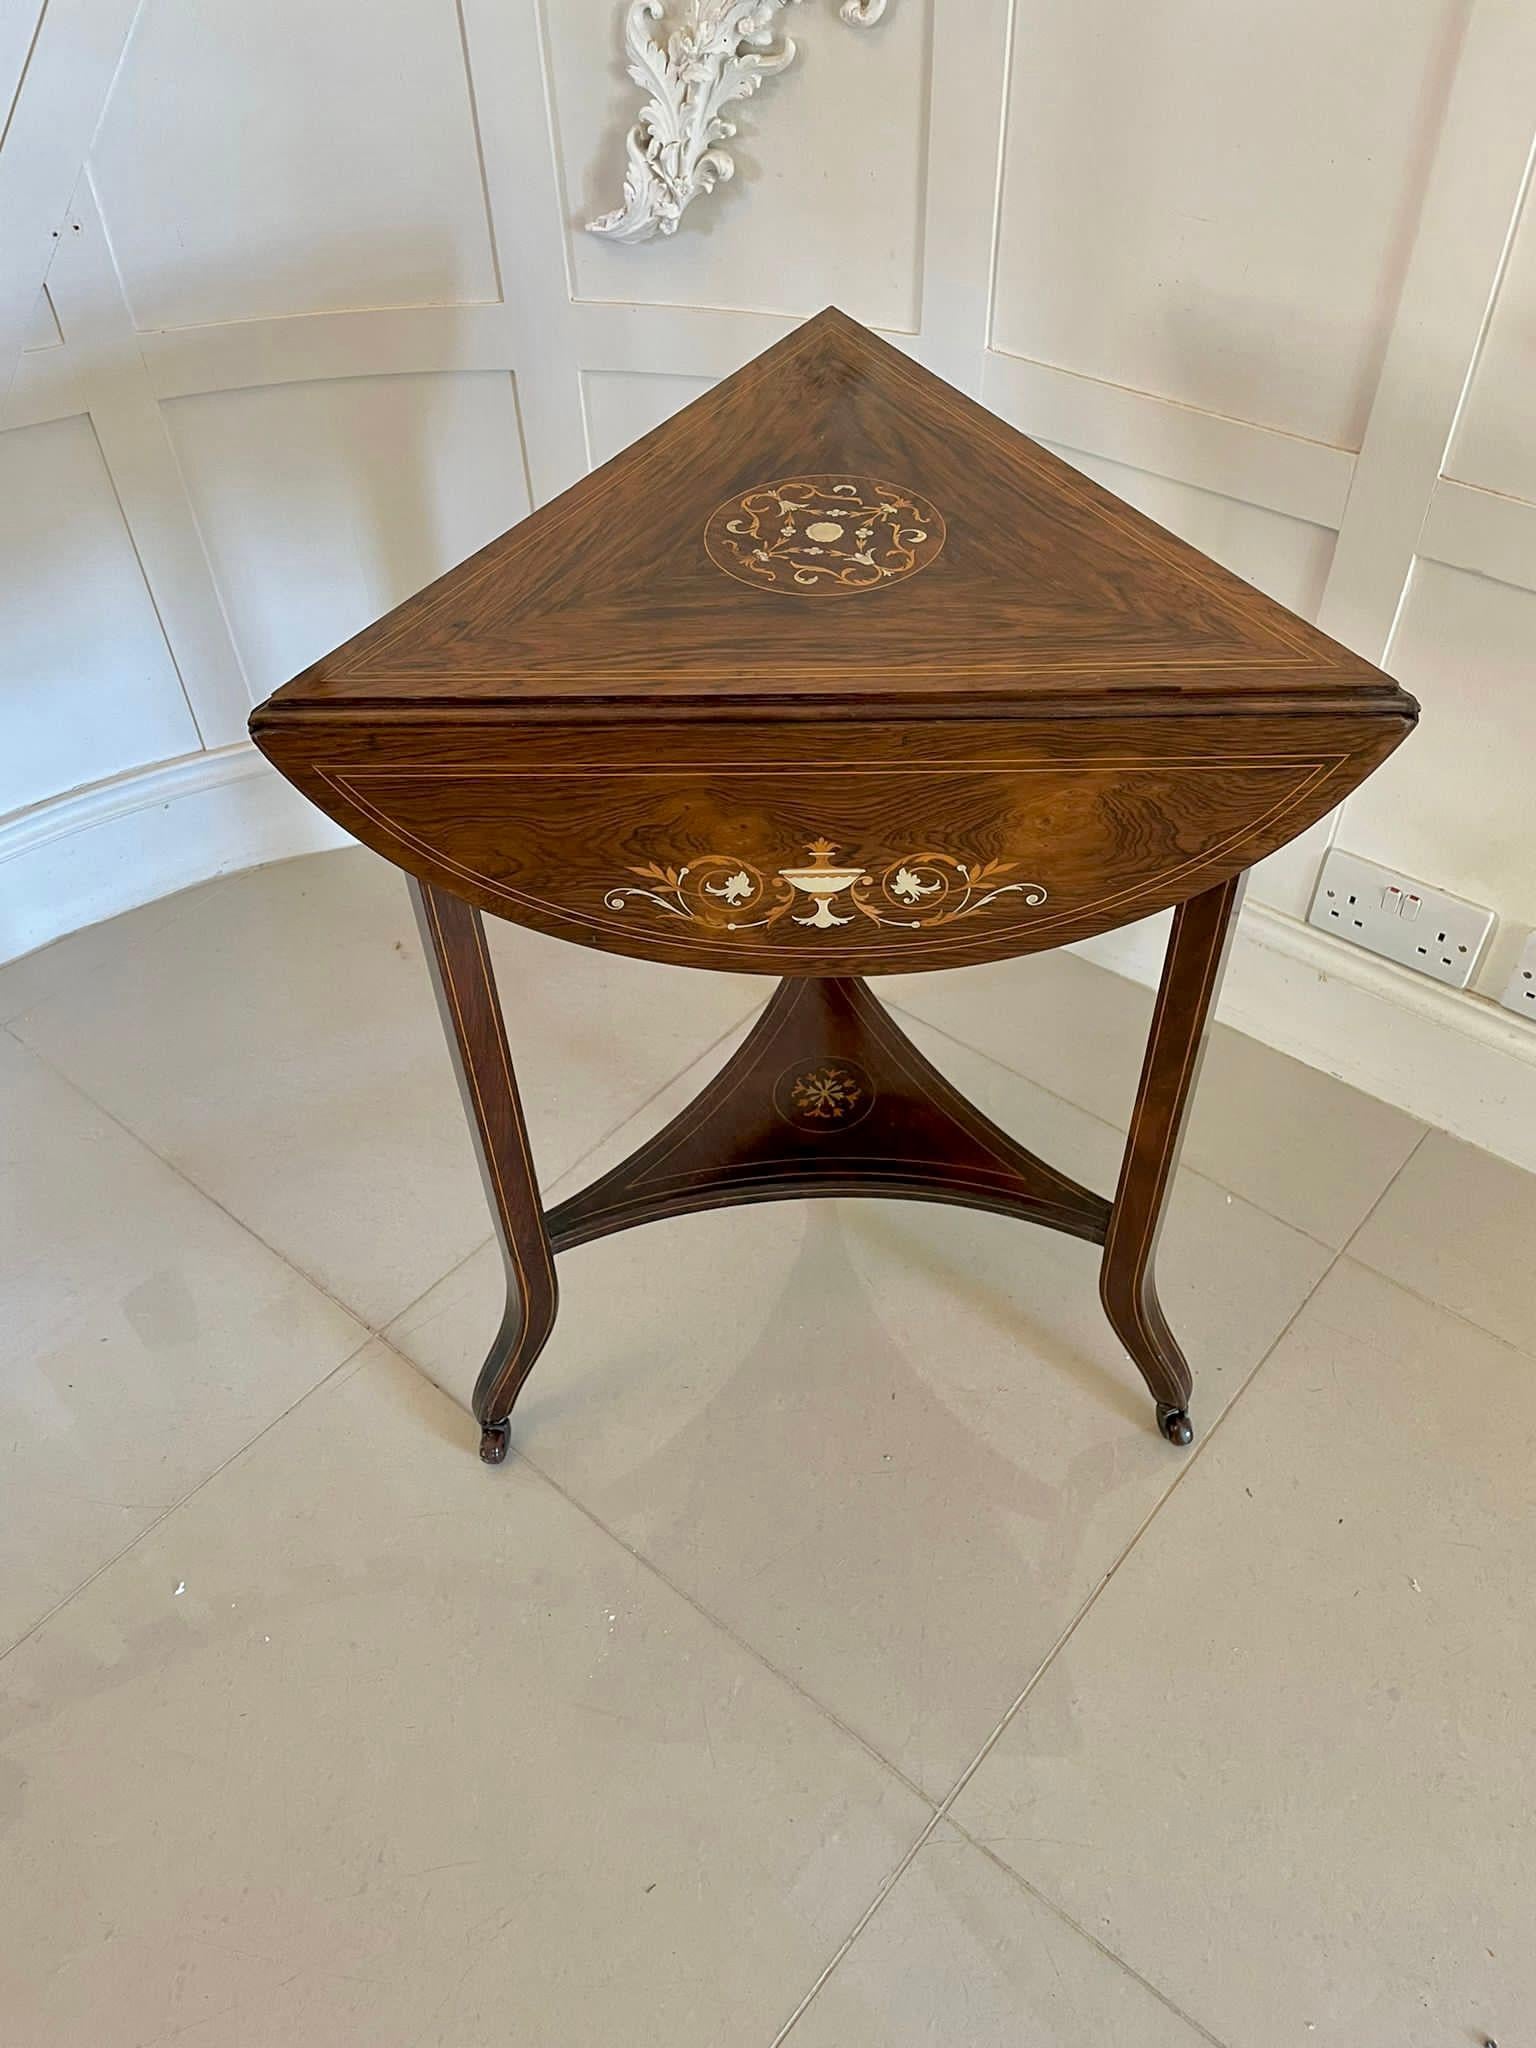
(460, 965)
(1202, 929)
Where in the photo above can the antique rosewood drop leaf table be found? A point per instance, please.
(832, 675)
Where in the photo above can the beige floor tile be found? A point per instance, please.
(895, 1446)
(1459, 1226)
(1070, 1026)
(420, 1758)
(1293, 1140)
(961, 1956)
(278, 1042)
(145, 1338)
(446, 1330)
(1285, 1767)
(70, 961)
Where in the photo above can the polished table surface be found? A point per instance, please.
(832, 675)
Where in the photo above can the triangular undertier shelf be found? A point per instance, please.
(826, 1096)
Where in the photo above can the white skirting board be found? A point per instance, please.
(1455, 1059)
(100, 851)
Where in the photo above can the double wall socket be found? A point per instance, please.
(1402, 920)
(1520, 991)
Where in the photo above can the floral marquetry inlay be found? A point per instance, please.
(824, 536)
(909, 891)
(827, 1096)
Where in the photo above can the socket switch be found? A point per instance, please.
(1419, 927)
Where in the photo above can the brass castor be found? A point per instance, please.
(495, 1437)
(1173, 1422)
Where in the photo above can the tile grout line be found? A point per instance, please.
(647, 1564)
(343, 1366)
(942, 1807)
(1335, 1255)
(375, 1333)
(942, 1810)
(1412, 1154)
(1190, 1465)
(1089, 1936)
(354, 1314)
(1068, 1102)
(946, 1805)
(187, 1180)
(655, 1095)
(879, 1899)
(1439, 1308)
(980, 1052)
(370, 1332)
(564, 1175)
(1444, 1308)
(348, 1358)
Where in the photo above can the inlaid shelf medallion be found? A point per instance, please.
(643, 721)
(722, 890)
(824, 1096)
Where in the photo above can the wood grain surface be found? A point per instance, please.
(669, 840)
(832, 616)
(832, 675)
(1044, 584)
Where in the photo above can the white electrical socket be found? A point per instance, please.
(1520, 994)
(1402, 920)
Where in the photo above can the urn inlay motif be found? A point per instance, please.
(730, 894)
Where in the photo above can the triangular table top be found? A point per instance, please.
(834, 522)
(833, 619)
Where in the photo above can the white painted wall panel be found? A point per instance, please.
(43, 330)
(322, 505)
(621, 405)
(18, 25)
(292, 158)
(1495, 442)
(1454, 804)
(1203, 261)
(1287, 558)
(87, 685)
(1215, 203)
(826, 207)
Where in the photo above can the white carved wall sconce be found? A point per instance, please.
(720, 51)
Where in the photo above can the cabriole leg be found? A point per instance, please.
(460, 965)
(1202, 928)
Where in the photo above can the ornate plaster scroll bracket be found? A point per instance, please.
(720, 51)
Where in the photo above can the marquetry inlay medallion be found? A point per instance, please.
(824, 536)
(824, 1096)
